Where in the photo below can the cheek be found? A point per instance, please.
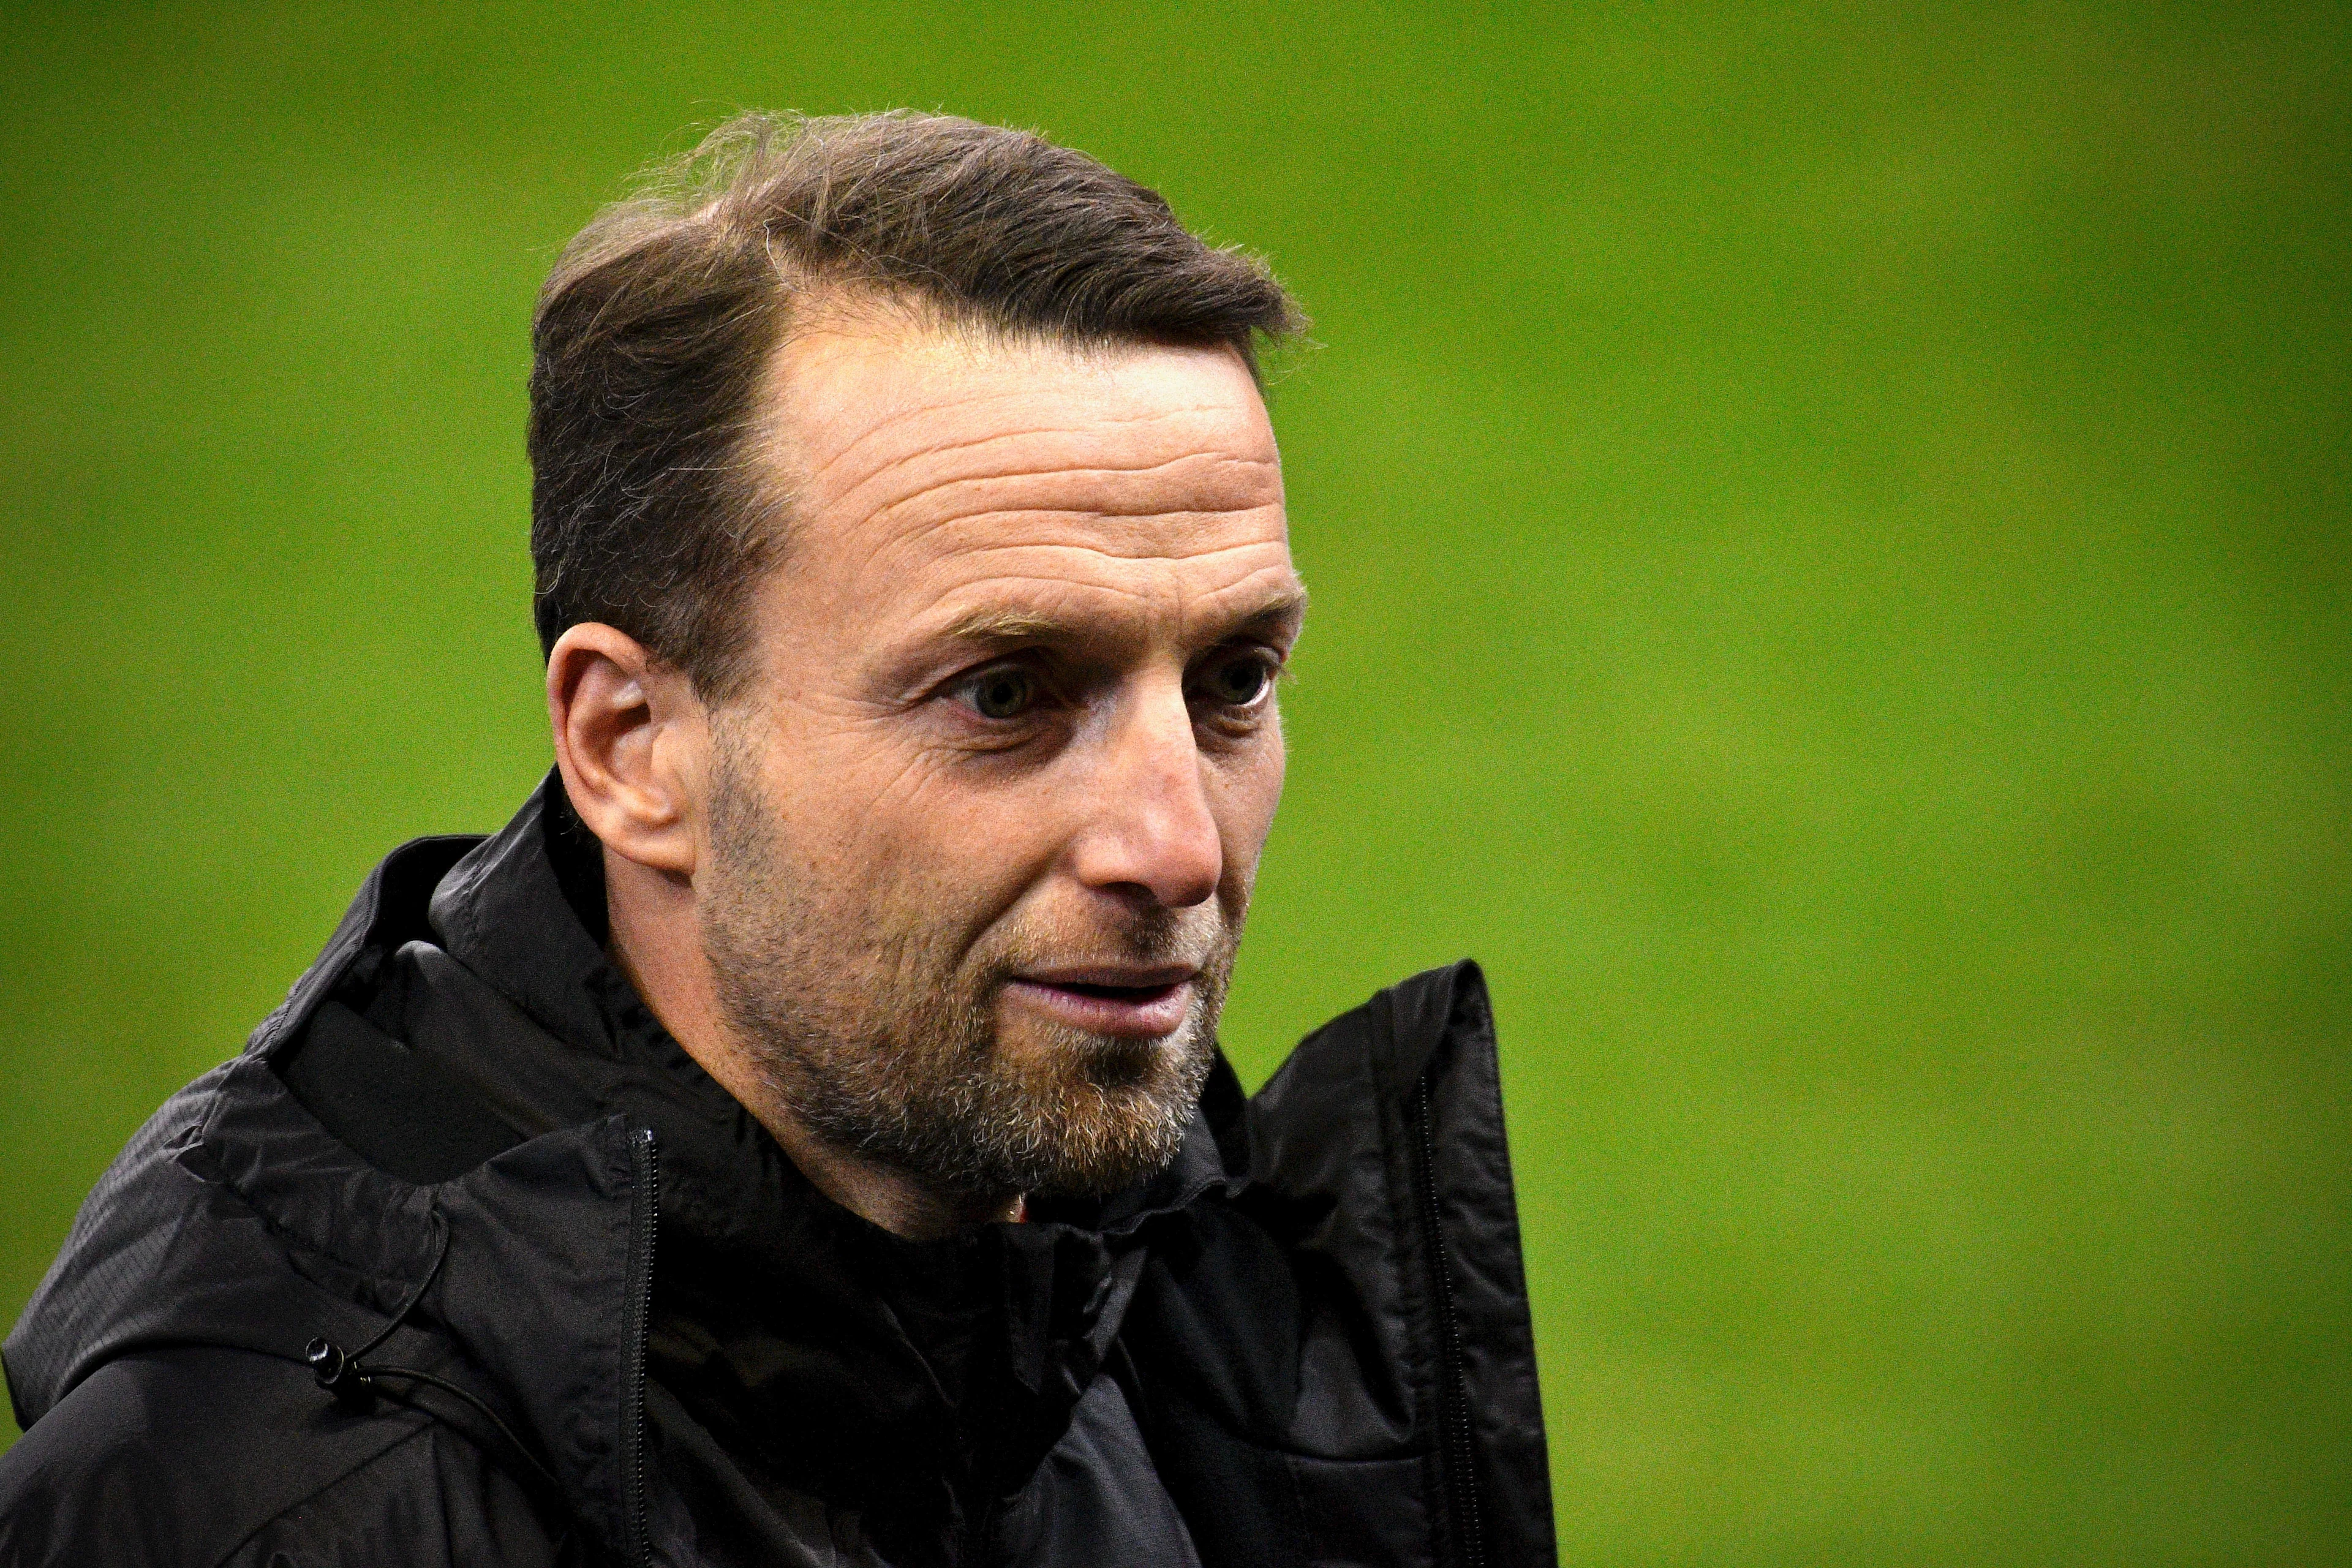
(1249, 790)
(839, 782)
(905, 839)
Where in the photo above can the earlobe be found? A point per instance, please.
(627, 732)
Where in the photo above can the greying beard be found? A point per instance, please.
(883, 1044)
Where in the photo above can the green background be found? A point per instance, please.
(1828, 529)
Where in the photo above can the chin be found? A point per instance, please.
(1112, 1111)
(1132, 1153)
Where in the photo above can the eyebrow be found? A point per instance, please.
(1004, 626)
(999, 627)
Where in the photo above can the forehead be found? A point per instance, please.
(934, 476)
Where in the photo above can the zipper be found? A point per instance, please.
(1455, 1452)
(646, 1204)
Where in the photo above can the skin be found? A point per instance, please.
(1105, 525)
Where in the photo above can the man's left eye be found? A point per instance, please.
(1004, 693)
(1238, 682)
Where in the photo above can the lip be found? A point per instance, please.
(1128, 1003)
(1130, 976)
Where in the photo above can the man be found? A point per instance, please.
(800, 1136)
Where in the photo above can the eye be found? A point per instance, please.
(1005, 692)
(1239, 681)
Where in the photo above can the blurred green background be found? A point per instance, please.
(1830, 536)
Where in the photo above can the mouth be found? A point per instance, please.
(1128, 1004)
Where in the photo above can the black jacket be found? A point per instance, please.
(587, 1311)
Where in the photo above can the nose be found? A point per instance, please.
(1149, 834)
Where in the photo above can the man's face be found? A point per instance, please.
(982, 830)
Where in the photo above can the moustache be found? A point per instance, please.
(1195, 940)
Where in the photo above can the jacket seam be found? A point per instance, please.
(423, 1428)
(295, 1241)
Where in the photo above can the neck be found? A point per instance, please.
(658, 947)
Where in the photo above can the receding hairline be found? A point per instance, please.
(901, 327)
(896, 317)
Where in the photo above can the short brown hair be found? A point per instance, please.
(655, 327)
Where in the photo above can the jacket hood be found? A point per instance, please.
(234, 1219)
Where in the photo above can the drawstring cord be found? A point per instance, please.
(342, 1374)
(352, 1379)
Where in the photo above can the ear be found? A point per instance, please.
(631, 739)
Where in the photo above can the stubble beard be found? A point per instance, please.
(877, 1030)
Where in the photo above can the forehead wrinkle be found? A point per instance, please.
(877, 553)
(1082, 547)
(1146, 505)
(1047, 467)
(1103, 544)
(1099, 422)
(1096, 422)
(895, 553)
(893, 423)
(1125, 563)
(1221, 459)
(1287, 603)
(1006, 620)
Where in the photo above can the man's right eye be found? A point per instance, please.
(1006, 691)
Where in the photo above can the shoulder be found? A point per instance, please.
(205, 1455)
